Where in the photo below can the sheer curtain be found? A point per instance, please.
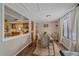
(61, 30)
(72, 29)
(77, 29)
(68, 28)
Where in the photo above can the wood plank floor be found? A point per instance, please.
(28, 51)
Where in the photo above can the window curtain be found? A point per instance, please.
(77, 29)
(61, 30)
(68, 28)
(72, 29)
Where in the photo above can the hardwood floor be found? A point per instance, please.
(44, 51)
(28, 51)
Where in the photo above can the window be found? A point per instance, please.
(68, 24)
(65, 27)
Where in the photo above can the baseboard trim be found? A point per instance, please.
(22, 49)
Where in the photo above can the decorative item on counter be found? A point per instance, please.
(6, 25)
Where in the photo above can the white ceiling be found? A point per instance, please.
(38, 11)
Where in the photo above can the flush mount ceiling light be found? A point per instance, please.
(48, 15)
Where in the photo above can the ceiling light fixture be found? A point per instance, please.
(48, 15)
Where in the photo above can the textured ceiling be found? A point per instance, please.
(43, 11)
(48, 11)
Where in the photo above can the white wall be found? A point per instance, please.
(0, 21)
(20, 9)
(50, 29)
(11, 47)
